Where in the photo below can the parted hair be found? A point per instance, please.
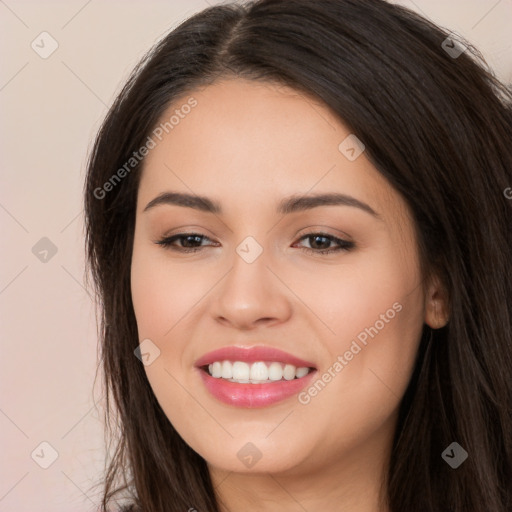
(438, 127)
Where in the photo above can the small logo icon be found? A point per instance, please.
(249, 250)
(147, 352)
(44, 455)
(454, 455)
(351, 147)
(44, 45)
(249, 455)
(44, 250)
(453, 47)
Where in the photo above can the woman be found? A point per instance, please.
(299, 229)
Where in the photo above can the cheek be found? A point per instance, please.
(163, 297)
(160, 299)
(162, 293)
(378, 322)
(376, 295)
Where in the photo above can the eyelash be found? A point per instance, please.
(343, 245)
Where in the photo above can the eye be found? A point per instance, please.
(190, 241)
(323, 239)
(320, 243)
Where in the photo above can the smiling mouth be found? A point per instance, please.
(258, 372)
(257, 376)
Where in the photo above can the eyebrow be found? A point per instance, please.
(286, 206)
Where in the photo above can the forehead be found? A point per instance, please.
(250, 143)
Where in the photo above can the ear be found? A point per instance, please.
(436, 304)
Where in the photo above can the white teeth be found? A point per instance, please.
(289, 372)
(241, 370)
(301, 372)
(227, 370)
(216, 369)
(258, 372)
(275, 371)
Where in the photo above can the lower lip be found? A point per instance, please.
(254, 395)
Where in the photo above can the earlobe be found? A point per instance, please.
(436, 306)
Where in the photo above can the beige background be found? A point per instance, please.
(51, 109)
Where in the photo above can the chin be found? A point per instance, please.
(253, 454)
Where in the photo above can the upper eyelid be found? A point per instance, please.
(313, 229)
(302, 235)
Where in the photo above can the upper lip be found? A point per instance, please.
(251, 355)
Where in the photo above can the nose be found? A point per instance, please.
(251, 295)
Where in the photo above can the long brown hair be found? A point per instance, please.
(438, 127)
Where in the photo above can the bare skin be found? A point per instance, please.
(247, 146)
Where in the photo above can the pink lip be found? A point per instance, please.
(251, 355)
(252, 395)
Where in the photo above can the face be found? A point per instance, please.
(278, 277)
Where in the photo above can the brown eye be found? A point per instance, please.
(190, 242)
(320, 243)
